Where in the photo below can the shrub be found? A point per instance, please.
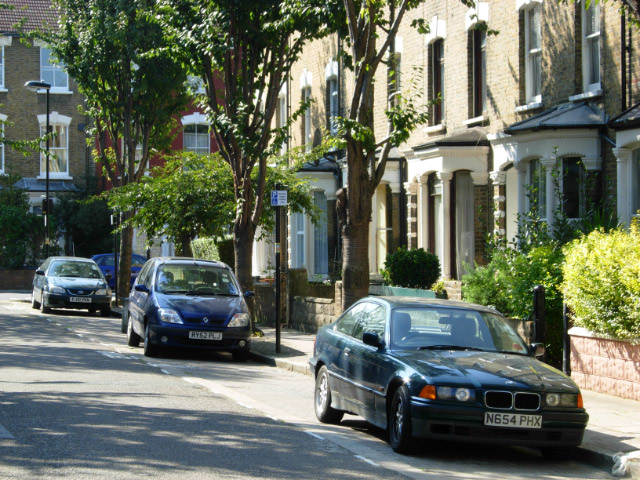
(205, 248)
(414, 268)
(602, 282)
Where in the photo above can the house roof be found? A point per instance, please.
(627, 119)
(323, 165)
(468, 137)
(566, 115)
(36, 14)
(38, 185)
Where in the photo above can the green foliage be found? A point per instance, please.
(227, 252)
(602, 282)
(413, 268)
(205, 248)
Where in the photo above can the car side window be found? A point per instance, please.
(372, 320)
(144, 274)
(348, 320)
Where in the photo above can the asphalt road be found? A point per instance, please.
(76, 402)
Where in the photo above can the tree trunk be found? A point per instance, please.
(124, 265)
(183, 248)
(243, 237)
(355, 247)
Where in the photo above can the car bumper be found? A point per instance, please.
(466, 423)
(233, 339)
(54, 300)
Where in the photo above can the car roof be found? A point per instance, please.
(187, 260)
(398, 302)
(72, 259)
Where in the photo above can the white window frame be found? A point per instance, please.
(333, 95)
(2, 88)
(306, 80)
(282, 115)
(533, 82)
(588, 41)
(196, 84)
(55, 121)
(320, 238)
(3, 118)
(298, 240)
(634, 194)
(54, 69)
(535, 166)
(196, 118)
(582, 200)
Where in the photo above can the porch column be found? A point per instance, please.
(499, 181)
(481, 217)
(521, 168)
(412, 236)
(423, 212)
(623, 163)
(445, 178)
(549, 164)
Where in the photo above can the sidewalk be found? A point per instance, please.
(614, 423)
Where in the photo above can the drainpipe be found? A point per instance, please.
(623, 61)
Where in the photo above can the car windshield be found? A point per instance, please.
(136, 260)
(64, 268)
(442, 328)
(195, 280)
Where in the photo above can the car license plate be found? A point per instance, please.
(205, 335)
(81, 299)
(513, 420)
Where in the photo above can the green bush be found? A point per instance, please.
(205, 248)
(507, 283)
(602, 282)
(414, 268)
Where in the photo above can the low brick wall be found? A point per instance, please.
(308, 314)
(605, 365)
(16, 279)
(265, 303)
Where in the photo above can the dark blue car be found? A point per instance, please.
(443, 370)
(106, 262)
(184, 302)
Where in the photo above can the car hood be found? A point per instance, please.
(197, 305)
(487, 370)
(76, 282)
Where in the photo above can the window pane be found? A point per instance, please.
(594, 60)
(635, 192)
(320, 247)
(538, 185)
(572, 184)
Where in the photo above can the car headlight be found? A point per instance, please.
(103, 291)
(239, 320)
(455, 393)
(54, 289)
(167, 315)
(563, 399)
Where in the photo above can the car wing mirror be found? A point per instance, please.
(538, 349)
(109, 276)
(39, 272)
(372, 339)
(249, 294)
(141, 288)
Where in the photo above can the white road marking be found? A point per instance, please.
(370, 462)
(4, 433)
(314, 435)
(248, 407)
(164, 371)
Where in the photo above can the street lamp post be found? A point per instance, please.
(36, 86)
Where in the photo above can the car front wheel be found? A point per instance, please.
(400, 421)
(43, 307)
(133, 339)
(324, 411)
(34, 303)
(150, 350)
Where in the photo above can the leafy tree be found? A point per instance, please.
(243, 51)
(192, 195)
(132, 84)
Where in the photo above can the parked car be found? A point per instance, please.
(184, 302)
(107, 263)
(71, 282)
(443, 370)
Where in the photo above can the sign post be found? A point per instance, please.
(278, 200)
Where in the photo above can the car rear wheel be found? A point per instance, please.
(105, 312)
(150, 350)
(399, 419)
(34, 303)
(133, 339)
(324, 411)
(125, 320)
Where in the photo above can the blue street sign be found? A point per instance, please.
(278, 198)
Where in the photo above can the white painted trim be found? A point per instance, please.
(306, 79)
(437, 30)
(331, 70)
(583, 96)
(5, 41)
(196, 118)
(3, 117)
(476, 120)
(476, 15)
(528, 107)
(526, 4)
(54, 119)
(435, 128)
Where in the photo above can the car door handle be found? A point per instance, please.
(347, 351)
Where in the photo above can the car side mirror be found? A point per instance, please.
(372, 339)
(249, 294)
(141, 288)
(109, 276)
(39, 272)
(538, 349)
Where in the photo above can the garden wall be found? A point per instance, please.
(605, 365)
(16, 279)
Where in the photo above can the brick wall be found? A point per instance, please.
(605, 365)
(16, 279)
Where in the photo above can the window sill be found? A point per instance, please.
(476, 120)
(54, 177)
(528, 107)
(3, 90)
(435, 128)
(585, 95)
(57, 91)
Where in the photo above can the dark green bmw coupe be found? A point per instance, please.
(442, 369)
